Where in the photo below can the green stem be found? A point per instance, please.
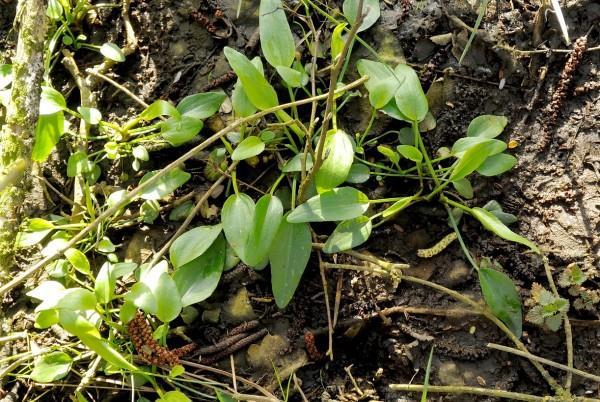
(460, 239)
(419, 141)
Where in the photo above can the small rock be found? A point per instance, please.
(449, 374)
(268, 352)
(457, 273)
(238, 308)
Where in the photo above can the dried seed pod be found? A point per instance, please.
(438, 247)
(560, 94)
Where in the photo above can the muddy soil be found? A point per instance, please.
(553, 191)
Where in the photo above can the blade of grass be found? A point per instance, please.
(427, 372)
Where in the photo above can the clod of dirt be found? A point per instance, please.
(268, 352)
(211, 315)
(238, 308)
(457, 273)
(449, 374)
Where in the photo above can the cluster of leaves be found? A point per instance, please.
(276, 230)
(572, 278)
(546, 309)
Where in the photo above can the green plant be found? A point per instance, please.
(93, 294)
(545, 308)
(572, 278)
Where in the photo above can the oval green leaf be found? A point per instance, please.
(289, 257)
(259, 91)
(382, 84)
(51, 367)
(335, 167)
(276, 39)
(48, 131)
(198, 279)
(410, 152)
(410, 98)
(370, 11)
(237, 217)
(471, 160)
(494, 225)
(487, 126)
(192, 244)
(497, 164)
(502, 298)
(335, 205)
(349, 234)
(358, 173)
(201, 106)
(165, 185)
(179, 130)
(267, 217)
(249, 147)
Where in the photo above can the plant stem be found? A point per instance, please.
(456, 389)
(421, 145)
(131, 195)
(567, 324)
(542, 360)
(329, 106)
(460, 239)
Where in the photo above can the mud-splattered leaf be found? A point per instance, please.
(113, 52)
